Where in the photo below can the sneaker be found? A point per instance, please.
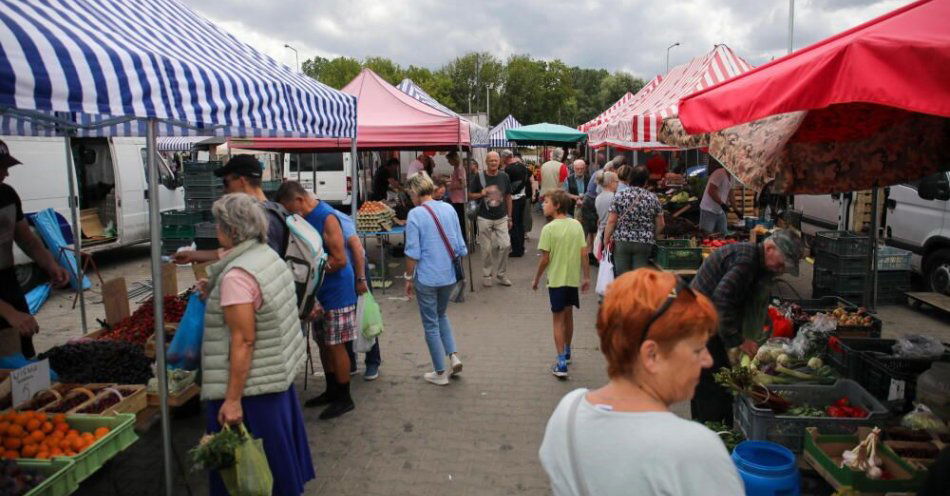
(456, 363)
(371, 373)
(567, 353)
(437, 378)
(504, 281)
(559, 369)
(354, 371)
(486, 281)
(337, 408)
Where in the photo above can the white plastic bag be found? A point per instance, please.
(599, 246)
(605, 274)
(363, 345)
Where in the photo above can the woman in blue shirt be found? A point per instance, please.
(430, 273)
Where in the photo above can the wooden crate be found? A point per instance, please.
(150, 344)
(861, 210)
(72, 393)
(132, 403)
(178, 399)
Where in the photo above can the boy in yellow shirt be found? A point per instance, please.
(564, 256)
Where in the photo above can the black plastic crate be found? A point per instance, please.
(841, 243)
(202, 180)
(838, 283)
(826, 302)
(871, 362)
(840, 265)
(199, 204)
(192, 167)
(206, 230)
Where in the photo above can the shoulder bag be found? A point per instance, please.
(456, 261)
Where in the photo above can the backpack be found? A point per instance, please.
(305, 258)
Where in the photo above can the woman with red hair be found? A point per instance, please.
(623, 438)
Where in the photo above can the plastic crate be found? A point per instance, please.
(841, 265)
(678, 254)
(170, 246)
(841, 243)
(178, 232)
(202, 180)
(180, 218)
(207, 243)
(204, 192)
(271, 186)
(121, 435)
(206, 230)
(838, 283)
(892, 259)
(870, 362)
(761, 424)
(191, 167)
(60, 477)
(199, 204)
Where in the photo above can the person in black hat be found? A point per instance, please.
(242, 174)
(14, 311)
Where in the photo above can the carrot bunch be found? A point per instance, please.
(32, 434)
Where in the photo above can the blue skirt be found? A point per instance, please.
(277, 419)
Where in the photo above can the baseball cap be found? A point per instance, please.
(7, 160)
(242, 165)
(789, 243)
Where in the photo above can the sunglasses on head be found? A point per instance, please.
(679, 288)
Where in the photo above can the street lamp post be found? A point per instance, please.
(296, 55)
(668, 55)
(791, 24)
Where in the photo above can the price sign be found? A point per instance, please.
(29, 380)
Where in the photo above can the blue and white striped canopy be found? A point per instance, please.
(88, 61)
(478, 134)
(496, 137)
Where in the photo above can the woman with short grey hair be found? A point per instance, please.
(252, 347)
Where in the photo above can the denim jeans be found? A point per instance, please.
(711, 222)
(432, 304)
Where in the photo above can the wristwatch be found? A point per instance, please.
(361, 279)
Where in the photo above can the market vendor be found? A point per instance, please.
(715, 203)
(738, 279)
(14, 311)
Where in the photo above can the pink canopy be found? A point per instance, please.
(638, 123)
(597, 133)
(606, 114)
(386, 119)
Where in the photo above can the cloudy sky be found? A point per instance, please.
(629, 35)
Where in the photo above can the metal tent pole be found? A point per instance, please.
(154, 215)
(870, 296)
(354, 166)
(77, 229)
(469, 233)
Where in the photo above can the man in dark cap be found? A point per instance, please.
(242, 174)
(14, 311)
(738, 279)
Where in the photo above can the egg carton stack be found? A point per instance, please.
(375, 217)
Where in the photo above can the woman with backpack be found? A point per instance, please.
(434, 247)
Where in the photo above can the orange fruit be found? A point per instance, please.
(56, 435)
(30, 451)
(77, 444)
(47, 427)
(72, 432)
(43, 455)
(10, 416)
(62, 427)
(4, 425)
(65, 444)
(28, 440)
(12, 443)
(101, 432)
(11, 454)
(38, 436)
(55, 452)
(22, 419)
(41, 416)
(33, 425)
(59, 418)
(15, 430)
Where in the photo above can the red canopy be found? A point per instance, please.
(386, 119)
(899, 60)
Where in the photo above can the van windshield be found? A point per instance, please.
(323, 162)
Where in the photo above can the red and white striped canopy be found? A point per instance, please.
(638, 123)
(597, 134)
(606, 114)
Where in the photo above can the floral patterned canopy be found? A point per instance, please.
(846, 147)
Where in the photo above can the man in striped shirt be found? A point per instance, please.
(737, 278)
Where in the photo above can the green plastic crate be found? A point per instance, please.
(178, 232)
(201, 167)
(181, 218)
(60, 476)
(121, 436)
(678, 254)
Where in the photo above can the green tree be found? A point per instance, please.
(387, 69)
(313, 67)
(470, 75)
(335, 73)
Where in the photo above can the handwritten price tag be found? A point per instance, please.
(29, 380)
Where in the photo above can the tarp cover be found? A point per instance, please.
(496, 137)
(478, 134)
(867, 107)
(545, 133)
(96, 59)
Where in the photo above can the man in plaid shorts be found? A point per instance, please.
(337, 297)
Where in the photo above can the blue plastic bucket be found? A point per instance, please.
(767, 469)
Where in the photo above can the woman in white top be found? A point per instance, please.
(623, 438)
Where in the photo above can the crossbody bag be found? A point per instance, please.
(456, 261)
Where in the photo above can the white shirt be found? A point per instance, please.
(641, 453)
(723, 180)
(415, 167)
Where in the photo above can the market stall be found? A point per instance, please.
(496, 137)
(478, 134)
(126, 76)
(813, 123)
(544, 134)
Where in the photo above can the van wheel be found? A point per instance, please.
(28, 276)
(938, 271)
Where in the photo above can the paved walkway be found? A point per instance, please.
(478, 436)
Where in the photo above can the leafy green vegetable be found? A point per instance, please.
(216, 451)
(730, 436)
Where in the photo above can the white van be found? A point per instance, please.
(915, 217)
(334, 179)
(110, 179)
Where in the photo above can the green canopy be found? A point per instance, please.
(544, 134)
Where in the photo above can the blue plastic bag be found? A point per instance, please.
(17, 360)
(185, 350)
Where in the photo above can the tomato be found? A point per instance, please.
(843, 401)
(835, 411)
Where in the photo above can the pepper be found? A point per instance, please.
(835, 411)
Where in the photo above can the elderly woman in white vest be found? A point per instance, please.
(253, 346)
